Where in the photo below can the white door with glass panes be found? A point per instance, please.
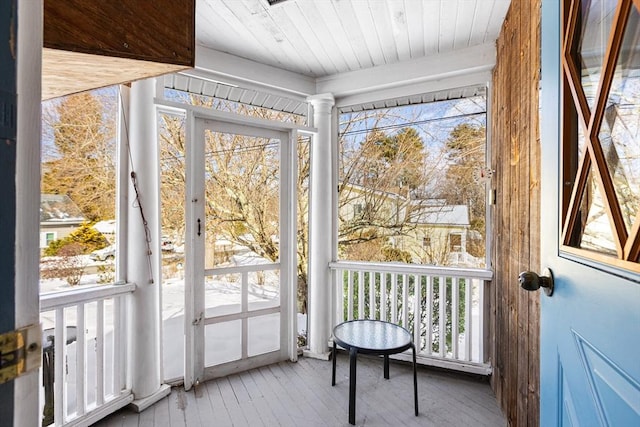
(590, 203)
(240, 259)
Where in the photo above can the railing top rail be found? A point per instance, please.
(426, 270)
(241, 269)
(85, 294)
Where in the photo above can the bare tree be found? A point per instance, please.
(79, 152)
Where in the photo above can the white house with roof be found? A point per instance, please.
(59, 216)
(439, 235)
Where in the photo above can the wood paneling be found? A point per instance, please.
(323, 38)
(90, 44)
(515, 156)
(150, 30)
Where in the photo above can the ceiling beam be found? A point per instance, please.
(236, 71)
(454, 82)
(461, 62)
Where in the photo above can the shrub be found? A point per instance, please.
(86, 236)
(68, 264)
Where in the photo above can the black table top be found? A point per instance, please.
(372, 336)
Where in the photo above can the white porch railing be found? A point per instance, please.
(442, 307)
(84, 354)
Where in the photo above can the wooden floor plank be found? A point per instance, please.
(220, 414)
(279, 409)
(203, 403)
(244, 400)
(176, 408)
(161, 413)
(300, 394)
(231, 403)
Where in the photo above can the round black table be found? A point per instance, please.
(371, 337)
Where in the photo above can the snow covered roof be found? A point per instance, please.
(106, 227)
(57, 208)
(442, 215)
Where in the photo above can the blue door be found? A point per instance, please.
(590, 141)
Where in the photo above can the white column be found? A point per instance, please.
(320, 227)
(143, 248)
(27, 289)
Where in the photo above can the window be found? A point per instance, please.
(601, 153)
(357, 210)
(49, 237)
(408, 172)
(455, 242)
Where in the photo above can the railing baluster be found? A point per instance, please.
(81, 360)
(100, 353)
(350, 295)
(417, 312)
(442, 299)
(372, 295)
(455, 315)
(244, 308)
(480, 284)
(119, 377)
(383, 296)
(394, 298)
(468, 321)
(405, 300)
(361, 288)
(60, 354)
(340, 297)
(429, 317)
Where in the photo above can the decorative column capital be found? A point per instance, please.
(322, 102)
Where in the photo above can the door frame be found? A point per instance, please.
(196, 121)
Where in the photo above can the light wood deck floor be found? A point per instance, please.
(300, 394)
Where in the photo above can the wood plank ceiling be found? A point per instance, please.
(327, 37)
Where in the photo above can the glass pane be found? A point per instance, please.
(264, 289)
(263, 334)
(620, 130)
(223, 342)
(410, 176)
(596, 17)
(597, 234)
(242, 177)
(222, 294)
(171, 137)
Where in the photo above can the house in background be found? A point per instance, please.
(59, 216)
(440, 235)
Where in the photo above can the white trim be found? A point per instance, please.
(27, 195)
(140, 405)
(194, 268)
(462, 62)
(99, 413)
(232, 118)
(407, 90)
(400, 268)
(236, 71)
(489, 186)
(63, 299)
(289, 258)
(122, 182)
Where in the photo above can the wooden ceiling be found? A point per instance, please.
(328, 37)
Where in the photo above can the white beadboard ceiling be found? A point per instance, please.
(319, 38)
(361, 51)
